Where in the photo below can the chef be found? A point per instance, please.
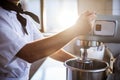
(21, 43)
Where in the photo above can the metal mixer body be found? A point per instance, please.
(106, 29)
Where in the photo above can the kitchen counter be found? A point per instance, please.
(50, 70)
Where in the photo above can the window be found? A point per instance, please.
(55, 15)
(59, 14)
(32, 6)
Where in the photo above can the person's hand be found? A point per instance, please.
(85, 22)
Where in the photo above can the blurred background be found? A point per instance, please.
(57, 15)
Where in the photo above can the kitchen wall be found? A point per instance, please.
(116, 7)
(100, 6)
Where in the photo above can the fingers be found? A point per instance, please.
(88, 13)
(92, 18)
(86, 21)
(92, 15)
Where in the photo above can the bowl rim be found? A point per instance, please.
(84, 70)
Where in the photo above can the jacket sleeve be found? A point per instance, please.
(10, 43)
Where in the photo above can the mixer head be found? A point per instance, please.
(106, 29)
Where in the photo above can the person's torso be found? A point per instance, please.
(16, 69)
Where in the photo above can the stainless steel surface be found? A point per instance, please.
(85, 44)
(105, 30)
(77, 70)
(89, 43)
(85, 68)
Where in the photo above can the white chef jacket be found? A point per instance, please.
(12, 39)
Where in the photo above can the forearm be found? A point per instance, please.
(45, 47)
(62, 55)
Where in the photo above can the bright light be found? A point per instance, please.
(66, 19)
(60, 14)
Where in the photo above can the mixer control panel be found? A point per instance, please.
(104, 28)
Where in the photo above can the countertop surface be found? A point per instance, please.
(50, 70)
